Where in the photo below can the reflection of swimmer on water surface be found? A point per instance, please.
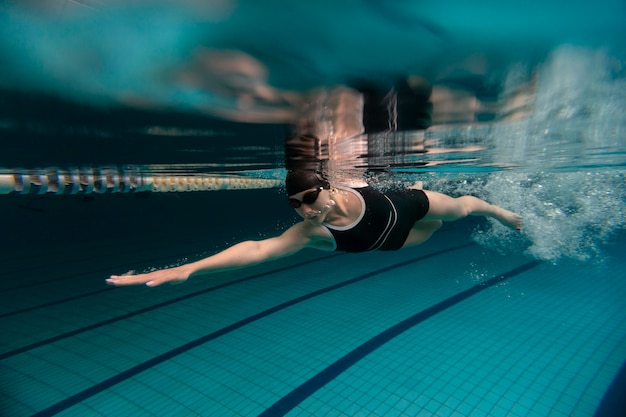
(343, 215)
(366, 125)
(240, 89)
(350, 218)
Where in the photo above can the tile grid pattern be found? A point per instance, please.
(533, 346)
(485, 358)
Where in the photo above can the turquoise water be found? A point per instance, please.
(479, 321)
(414, 332)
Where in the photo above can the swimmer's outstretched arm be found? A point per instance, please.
(238, 256)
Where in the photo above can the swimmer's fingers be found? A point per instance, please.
(153, 279)
(118, 280)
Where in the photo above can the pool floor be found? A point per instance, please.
(446, 329)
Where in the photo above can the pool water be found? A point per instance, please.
(448, 328)
(479, 321)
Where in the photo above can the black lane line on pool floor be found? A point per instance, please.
(308, 388)
(99, 291)
(107, 289)
(131, 372)
(53, 303)
(43, 270)
(147, 262)
(614, 402)
(72, 333)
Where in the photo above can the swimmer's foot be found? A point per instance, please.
(509, 219)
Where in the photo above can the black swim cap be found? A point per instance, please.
(301, 180)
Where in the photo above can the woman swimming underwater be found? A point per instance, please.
(349, 218)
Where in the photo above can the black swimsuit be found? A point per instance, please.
(385, 222)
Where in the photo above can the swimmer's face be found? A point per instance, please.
(308, 203)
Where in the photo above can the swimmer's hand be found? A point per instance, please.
(176, 275)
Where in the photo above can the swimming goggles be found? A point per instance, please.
(307, 198)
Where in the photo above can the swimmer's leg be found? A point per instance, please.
(421, 232)
(443, 207)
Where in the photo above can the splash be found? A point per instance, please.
(566, 215)
(576, 114)
(576, 125)
(568, 153)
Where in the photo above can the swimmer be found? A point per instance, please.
(355, 218)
